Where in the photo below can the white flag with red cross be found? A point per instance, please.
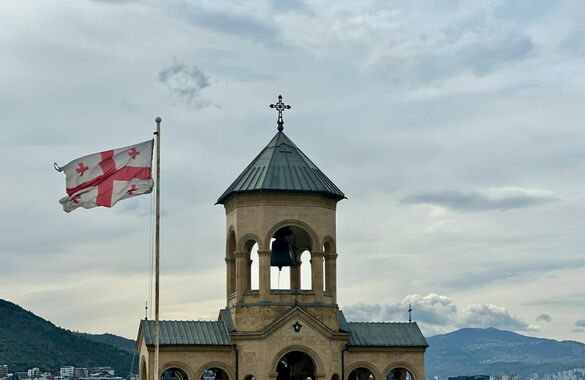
(104, 178)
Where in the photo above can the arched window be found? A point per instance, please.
(296, 365)
(214, 374)
(251, 250)
(286, 245)
(250, 377)
(280, 278)
(361, 373)
(254, 268)
(399, 373)
(174, 374)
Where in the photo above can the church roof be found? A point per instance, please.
(382, 334)
(199, 333)
(282, 166)
(386, 334)
(216, 333)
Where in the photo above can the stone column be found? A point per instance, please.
(331, 274)
(317, 273)
(241, 275)
(230, 273)
(264, 269)
(295, 277)
(249, 274)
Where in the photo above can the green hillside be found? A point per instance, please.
(123, 344)
(28, 341)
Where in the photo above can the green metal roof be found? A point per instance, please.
(199, 333)
(281, 166)
(386, 334)
(226, 318)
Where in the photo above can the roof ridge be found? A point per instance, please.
(275, 139)
(183, 320)
(381, 322)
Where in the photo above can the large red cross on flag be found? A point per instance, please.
(102, 179)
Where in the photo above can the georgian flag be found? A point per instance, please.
(102, 179)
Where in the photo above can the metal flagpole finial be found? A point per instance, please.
(280, 106)
(409, 313)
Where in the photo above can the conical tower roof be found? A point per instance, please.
(282, 166)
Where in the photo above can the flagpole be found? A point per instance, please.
(157, 252)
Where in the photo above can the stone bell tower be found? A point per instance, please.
(280, 217)
(283, 203)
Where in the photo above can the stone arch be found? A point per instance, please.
(143, 371)
(295, 223)
(244, 242)
(214, 364)
(316, 359)
(180, 365)
(329, 246)
(330, 267)
(366, 365)
(245, 245)
(231, 244)
(400, 364)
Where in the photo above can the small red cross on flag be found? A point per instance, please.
(104, 178)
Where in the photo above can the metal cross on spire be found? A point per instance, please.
(409, 313)
(280, 106)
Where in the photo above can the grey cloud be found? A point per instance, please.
(184, 81)
(478, 201)
(481, 315)
(484, 58)
(576, 300)
(484, 275)
(437, 313)
(432, 309)
(424, 46)
(291, 6)
(579, 326)
(239, 25)
(544, 318)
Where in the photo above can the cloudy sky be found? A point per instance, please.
(455, 128)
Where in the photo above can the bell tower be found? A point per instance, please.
(281, 319)
(284, 207)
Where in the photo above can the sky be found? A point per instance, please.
(455, 129)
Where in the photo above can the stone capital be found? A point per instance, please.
(317, 254)
(264, 253)
(240, 255)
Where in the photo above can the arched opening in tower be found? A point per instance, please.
(287, 245)
(295, 365)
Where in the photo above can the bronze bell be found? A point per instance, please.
(282, 254)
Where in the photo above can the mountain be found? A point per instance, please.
(491, 351)
(28, 341)
(123, 344)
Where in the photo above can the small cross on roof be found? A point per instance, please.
(280, 106)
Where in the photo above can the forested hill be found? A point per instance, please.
(28, 341)
(472, 351)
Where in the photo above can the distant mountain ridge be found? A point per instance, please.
(28, 341)
(490, 351)
(122, 343)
